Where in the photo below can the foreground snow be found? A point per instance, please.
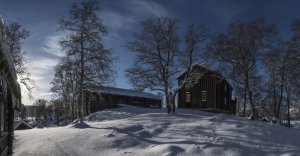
(138, 131)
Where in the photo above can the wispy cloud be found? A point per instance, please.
(124, 19)
(121, 23)
(44, 52)
(42, 72)
(52, 47)
(147, 7)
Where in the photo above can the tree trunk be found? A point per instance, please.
(73, 116)
(275, 101)
(288, 104)
(279, 102)
(57, 116)
(81, 79)
(253, 115)
(167, 101)
(281, 94)
(174, 96)
(245, 102)
(252, 105)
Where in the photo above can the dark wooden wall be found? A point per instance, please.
(96, 102)
(206, 83)
(6, 120)
(214, 86)
(224, 94)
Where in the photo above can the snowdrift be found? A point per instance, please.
(137, 131)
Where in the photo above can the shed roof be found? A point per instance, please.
(123, 92)
(21, 122)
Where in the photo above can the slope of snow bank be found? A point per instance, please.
(140, 131)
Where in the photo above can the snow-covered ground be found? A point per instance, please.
(296, 124)
(139, 131)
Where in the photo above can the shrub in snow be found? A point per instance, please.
(265, 119)
(81, 125)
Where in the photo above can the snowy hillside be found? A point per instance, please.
(139, 131)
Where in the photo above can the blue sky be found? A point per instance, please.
(121, 18)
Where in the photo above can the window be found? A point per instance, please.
(187, 97)
(203, 96)
(225, 88)
(225, 101)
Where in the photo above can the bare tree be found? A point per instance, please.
(156, 46)
(292, 86)
(65, 85)
(58, 108)
(82, 40)
(280, 65)
(295, 46)
(193, 39)
(23, 113)
(240, 50)
(15, 35)
(41, 114)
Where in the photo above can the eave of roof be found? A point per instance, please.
(123, 92)
(20, 122)
(206, 68)
(197, 65)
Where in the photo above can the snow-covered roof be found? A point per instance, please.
(198, 65)
(123, 92)
(208, 69)
(19, 123)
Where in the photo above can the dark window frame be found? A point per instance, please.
(203, 96)
(187, 96)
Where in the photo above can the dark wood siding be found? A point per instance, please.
(96, 102)
(8, 100)
(10, 96)
(208, 84)
(216, 94)
(224, 94)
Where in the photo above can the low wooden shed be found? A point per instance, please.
(98, 98)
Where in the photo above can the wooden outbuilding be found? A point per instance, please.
(21, 125)
(10, 95)
(211, 92)
(98, 98)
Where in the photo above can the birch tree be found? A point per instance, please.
(240, 49)
(156, 46)
(192, 53)
(82, 41)
(158, 55)
(15, 35)
(280, 64)
(65, 85)
(295, 46)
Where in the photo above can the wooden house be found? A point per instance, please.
(10, 96)
(209, 92)
(98, 98)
